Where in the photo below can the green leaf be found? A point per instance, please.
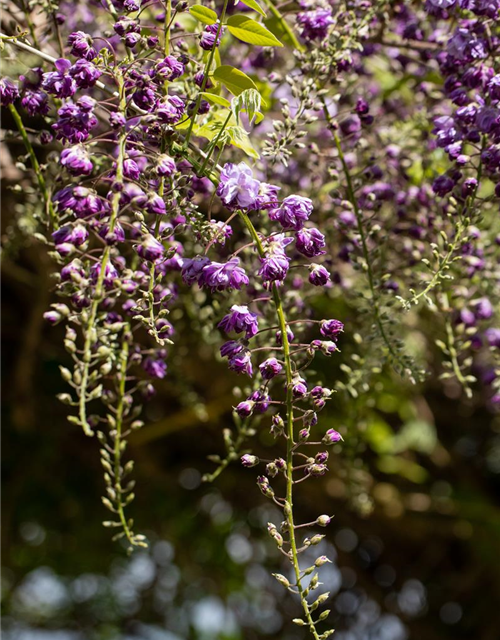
(210, 130)
(203, 14)
(240, 139)
(233, 79)
(184, 124)
(211, 97)
(254, 5)
(233, 133)
(250, 101)
(247, 30)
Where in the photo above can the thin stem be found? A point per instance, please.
(31, 26)
(90, 329)
(168, 14)
(461, 227)
(454, 358)
(36, 166)
(58, 34)
(122, 374)
(215, 142)
(208, 66)
(112, 9)
(290, 443)
(364, 244)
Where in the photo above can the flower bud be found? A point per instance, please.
(271, 470)
(317, 469)
(277, 425)
(249, 461)
(65, 398)
(273, 532)
(60, 308)
(319, 562)
(322, 598)
(299, 387)
(265, 487)
(282, 580)
(245, 408)
(331, 437)
(66, 374)
(52, 317)
(323, 521)
(270, 368)
(310, 419)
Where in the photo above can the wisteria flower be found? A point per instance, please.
(293, 212)
(9, 92)
(209, 37)
(237, 186)
(77, 161)
(239, 320)
(58, 82)
(270, 368)
(274, 267)
(220, 276)
(310, 242)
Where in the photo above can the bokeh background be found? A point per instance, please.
(414, 489)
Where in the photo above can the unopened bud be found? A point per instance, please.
(323, 521)
(319, 562)
(282, 580)
(249, 461)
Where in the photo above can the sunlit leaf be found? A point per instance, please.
(203, 14)
(250, 101)
(233, 79)
(252, 4)
(214, 99)
(252, 32)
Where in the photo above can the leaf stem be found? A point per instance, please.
(461, 227)
(90, 331)
(36, 166)
(290, 443)
(122, 373)
(208, 66)
(364, 244)
(166, 27)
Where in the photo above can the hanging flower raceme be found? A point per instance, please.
(142, 219)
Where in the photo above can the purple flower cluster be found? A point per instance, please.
(142, 210)
(209, 38)
(9, 92)
(75, 120)
(239, 320)
(237, 186)
(314, 24)
(214, 275)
